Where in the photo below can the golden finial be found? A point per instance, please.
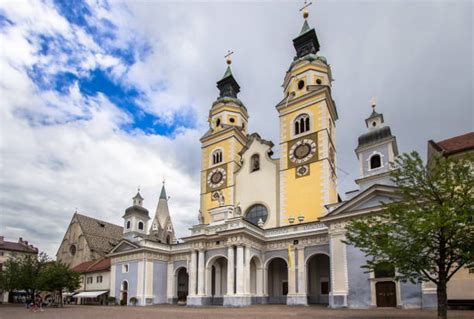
(373, 102)
(305, 9)
(227, 57)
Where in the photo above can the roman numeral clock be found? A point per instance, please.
(301, 153)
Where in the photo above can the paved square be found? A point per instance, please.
(253, 312)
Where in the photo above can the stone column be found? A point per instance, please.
(338, 261)
(230, 270)
(247, 274)
(201, 273)
(171, 284)
(192, 274)
(302, 284)
(240, 270)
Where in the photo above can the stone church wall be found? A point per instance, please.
(160, 275)
(359, 285)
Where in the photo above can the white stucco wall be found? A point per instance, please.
(259, 187)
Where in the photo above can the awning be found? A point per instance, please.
(89, 294)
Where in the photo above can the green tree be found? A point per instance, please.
(22, 273)
(428, 235)
(56, 277)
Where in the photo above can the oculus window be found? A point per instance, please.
(255, 213)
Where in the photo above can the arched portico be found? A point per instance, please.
(216, 279)
(318, 278)
(256, 279)
(181, 284)
(277, 280)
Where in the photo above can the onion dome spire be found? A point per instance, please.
(228, 86)
(307, 41)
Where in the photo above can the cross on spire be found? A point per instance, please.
(305, 9)
(373, 102)
(227, 57)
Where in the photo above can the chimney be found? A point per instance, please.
(20, 240)
(1, 239)
(26, 242)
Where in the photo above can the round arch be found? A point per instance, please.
(318, 277)
(268, 261)
(276, 275)
(216, 278)
(314, 254)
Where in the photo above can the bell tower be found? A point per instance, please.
(307, 132)
(221, 144)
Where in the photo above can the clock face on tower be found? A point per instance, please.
(302, 151)
(216, 177)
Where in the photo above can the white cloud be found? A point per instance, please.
(48, 170)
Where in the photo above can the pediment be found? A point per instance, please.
(123, 246)
(370, 199)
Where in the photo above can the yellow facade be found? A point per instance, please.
(228, 123)
(307, 195)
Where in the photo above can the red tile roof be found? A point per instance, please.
(93, 266)
(457, 144)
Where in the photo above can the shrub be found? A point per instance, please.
(133, 301)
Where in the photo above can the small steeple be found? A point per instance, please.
(138, 199)
(163, 192)
(307, 41)
(162, 227)
(228, 86)
(375, 120)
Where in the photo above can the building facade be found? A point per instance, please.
(270, 230)
(10, 249)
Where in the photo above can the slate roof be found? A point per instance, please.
(375, 136)
(93, 266)
(100, 236)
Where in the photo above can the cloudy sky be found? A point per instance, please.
(100, 97)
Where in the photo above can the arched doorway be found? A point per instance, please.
(318, 279)
(124, 293)
(277, 274)
(217, 279)
(182, 285)
(385, 287)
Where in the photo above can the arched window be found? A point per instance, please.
(140, 225)
(302, 124)
(168, 239)
(255, 213)
(124, 285)
(217, 157)
(255, 163)
(128, 224)
(375, 161)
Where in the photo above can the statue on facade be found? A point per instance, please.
(200, 218)
(221, 199)
(237, 210)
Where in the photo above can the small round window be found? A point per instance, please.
(72, 250)
(232, 120)
(300, 84)
(255, 213)
(318, 81)
(374, 124)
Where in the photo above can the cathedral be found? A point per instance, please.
(269, 230)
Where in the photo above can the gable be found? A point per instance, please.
(369, 199)
(123, 246)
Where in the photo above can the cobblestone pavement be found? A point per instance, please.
(254, 312)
